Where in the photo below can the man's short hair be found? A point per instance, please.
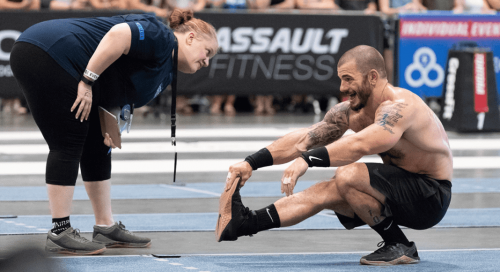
(366, 58)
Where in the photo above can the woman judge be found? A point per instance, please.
(66, 69)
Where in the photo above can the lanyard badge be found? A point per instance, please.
(126, 115)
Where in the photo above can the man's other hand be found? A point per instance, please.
(292, 174)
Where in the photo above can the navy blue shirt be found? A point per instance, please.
(145, 71)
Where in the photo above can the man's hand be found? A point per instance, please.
(241, 169)
(84, 98)
(292, 174)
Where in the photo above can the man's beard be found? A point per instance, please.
(363, 94)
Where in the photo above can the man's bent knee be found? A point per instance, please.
(348, 176)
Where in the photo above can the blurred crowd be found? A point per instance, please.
(259, 104)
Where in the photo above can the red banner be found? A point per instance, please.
(480, 83)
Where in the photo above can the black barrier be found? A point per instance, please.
(469, 100)
(281, 53)
(261, 53)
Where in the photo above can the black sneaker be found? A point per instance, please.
(392, 254)
(239, 215)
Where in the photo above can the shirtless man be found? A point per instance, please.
(411, 188)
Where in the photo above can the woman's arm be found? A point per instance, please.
(114, 44)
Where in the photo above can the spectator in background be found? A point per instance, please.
(275, 4)
(301, 101)
(22, 4)
(217, 101)
(159, 7)
(368, 6)
(263, 104)
(316, 4)
(195, 5)
(392, 7)
(493, 4)
(472, 6)
(439, 4)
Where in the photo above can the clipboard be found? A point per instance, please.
(109, 124)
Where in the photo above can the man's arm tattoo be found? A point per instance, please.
(333, 126)
(389, 115)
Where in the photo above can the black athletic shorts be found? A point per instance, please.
(413, 200)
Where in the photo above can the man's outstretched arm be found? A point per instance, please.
(392, 119)
(293, 144)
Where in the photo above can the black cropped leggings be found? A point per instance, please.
(50, 92)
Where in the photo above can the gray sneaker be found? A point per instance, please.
(118, 236)
(70, 241)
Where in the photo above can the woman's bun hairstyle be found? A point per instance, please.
(179, 17)
(182, 21)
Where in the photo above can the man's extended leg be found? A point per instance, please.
(285, 212)
(348, 194)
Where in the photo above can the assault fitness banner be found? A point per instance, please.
(275, 53)
(260, 53)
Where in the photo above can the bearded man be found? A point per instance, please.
(410, 188)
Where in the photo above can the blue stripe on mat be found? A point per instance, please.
(206, 221)
(211, 190)
(459, 261)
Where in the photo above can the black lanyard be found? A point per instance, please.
(173, 105)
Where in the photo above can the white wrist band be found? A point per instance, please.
(91, 75)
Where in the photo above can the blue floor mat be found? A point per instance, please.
(211, 190)
(459, 261)
(455, 218)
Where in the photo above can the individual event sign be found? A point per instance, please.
(280, 53)
(424, 41)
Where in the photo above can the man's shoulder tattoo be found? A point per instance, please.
(389, 115)
(339, 114)
(333, 126)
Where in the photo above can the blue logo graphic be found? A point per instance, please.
(141, 31)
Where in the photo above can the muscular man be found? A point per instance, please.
(411, 188)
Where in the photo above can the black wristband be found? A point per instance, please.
(317, 157)
(87, 81)
(260, 159)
